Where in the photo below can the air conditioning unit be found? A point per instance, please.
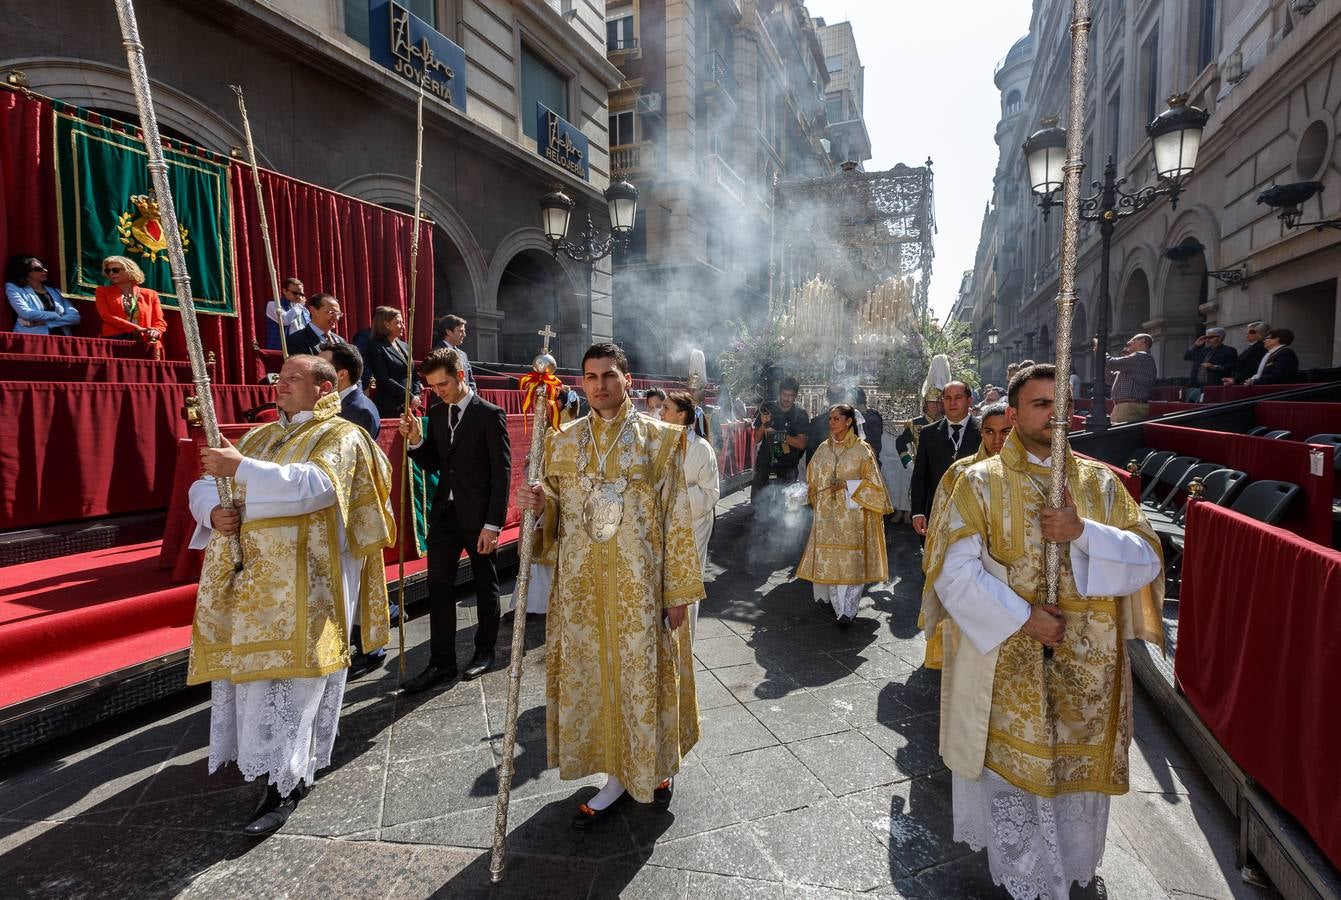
(649, 104)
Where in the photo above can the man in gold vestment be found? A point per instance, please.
(1036, 699)
(313, 515)
(620, 688)
(995, 429)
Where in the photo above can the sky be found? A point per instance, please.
(929, 92)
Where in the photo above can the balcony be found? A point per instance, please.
(621, 45)
(642, 158)
(717, 76)
(716, 168)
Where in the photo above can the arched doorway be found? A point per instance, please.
(1132, 312)
(529, 298)
(1186, 287)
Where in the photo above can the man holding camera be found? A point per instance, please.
(780, 438)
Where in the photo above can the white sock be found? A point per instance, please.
(606, 795)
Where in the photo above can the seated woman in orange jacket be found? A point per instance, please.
(129, 311)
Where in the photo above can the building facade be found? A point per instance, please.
(719, 99)
(330, 103)
(845, 98)
(1264, 70)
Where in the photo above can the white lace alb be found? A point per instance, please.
(1036, 846)
(844, 598)
(283, 728)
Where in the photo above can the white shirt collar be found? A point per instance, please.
(463, 402)
(963, 421)
(1045, 461)
(298, 418)
(347, 391)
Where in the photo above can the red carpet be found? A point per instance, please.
(64, 621)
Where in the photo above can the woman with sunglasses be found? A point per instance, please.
(128, 310)
(40, 308)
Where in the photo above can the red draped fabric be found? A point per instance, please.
(1261, 458)
(358, 251)
(60, 345)
(1302, 420)
(737, 441)
(1222, 393)
(35, 367)
(27, 186)
(1259, 658)
(72, 451)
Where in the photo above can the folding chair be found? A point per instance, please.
(1278, 435)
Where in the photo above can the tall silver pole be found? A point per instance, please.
(265, 223)
(545, 365)
(1066, 297)
(406, 480)
(158, 174)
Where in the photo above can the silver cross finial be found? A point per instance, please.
(546, 333)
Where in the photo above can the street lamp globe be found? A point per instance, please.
(622, 198)
(1045, 152)
(1176, 135)
(555, 210)
(993, 336)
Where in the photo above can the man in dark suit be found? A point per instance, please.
(1250, 359)
(467, 445)
(1211, 359)
(1280, 365)
(324, 312)
(354, 404)
(953, 437)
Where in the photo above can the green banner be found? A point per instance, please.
(108, 208)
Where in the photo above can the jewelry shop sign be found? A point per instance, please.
(560, 141)
(410, 47)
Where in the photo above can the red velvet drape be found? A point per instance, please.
(1259, 658)
(358, 251)
(27, 186)
(1302, 420)
(1261, 458)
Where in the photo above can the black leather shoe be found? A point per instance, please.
(480, 663)
(364, 663)
(273, 812)
(587, 817)
(663, 793)
(432, 676)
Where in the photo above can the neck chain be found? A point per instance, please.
(586, 438)
(838, 459)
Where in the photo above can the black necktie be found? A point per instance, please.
(454, 418)
(955, 436)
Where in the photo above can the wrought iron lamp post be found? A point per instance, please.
(1176, 136)
(556, 209)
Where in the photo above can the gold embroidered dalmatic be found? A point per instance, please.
(620, 685)
(846, 546)
(283, 615)
(935, 651)
(1054, 726)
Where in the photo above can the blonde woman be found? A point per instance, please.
(846, 550)
(128, 310)
(701, 475)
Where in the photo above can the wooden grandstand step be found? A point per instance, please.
(33, 544)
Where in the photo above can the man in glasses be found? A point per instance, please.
(294, 312)
(1251, 357)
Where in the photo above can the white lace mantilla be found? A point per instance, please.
(284, 729)
(844, 598)
(1036, 846)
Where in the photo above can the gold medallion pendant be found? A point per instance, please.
(602, 512)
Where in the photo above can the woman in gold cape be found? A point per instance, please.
(846, 550)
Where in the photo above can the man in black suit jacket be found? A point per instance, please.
(354, 404)
(324, 311)
(467, 445)
(953, 437)
(1280, 364)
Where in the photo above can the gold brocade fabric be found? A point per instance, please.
(846, 546)
(620, 685)
(1061, 725)
(935, 550)
(283, 615)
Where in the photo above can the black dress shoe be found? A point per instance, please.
(273, 812)
(363, 663)
(663, 793)
(432, 676)
(844, 621)
(587, 817)
(480, 663)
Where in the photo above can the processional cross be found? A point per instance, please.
(546, 333)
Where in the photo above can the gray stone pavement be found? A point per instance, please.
(817, 776)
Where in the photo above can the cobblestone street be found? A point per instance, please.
(817, 776)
